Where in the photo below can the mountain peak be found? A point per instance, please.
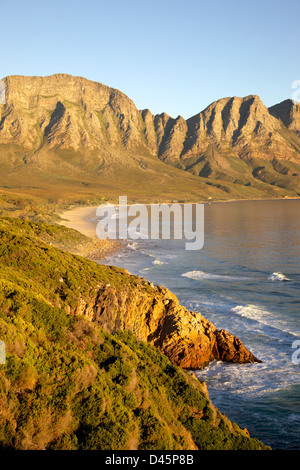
(288, 111)
(88, 125)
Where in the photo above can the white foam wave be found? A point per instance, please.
(198, 275)
(251, 311)
(256, 379)
(277, 276)
(133, 246)
(264, 318)
(158, 261)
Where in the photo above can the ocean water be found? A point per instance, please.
(246, 280)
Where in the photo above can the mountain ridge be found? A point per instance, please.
(69, 128)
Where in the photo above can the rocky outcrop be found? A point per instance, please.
(155, 316)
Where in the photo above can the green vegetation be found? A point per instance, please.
(39, 208)
(67, 384)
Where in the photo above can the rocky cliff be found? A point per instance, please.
(66, 112)
(62, 125)
(154, 315)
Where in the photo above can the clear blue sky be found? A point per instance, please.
(166, 55)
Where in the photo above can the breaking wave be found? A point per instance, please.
(134, 246)
(266, 319)
(198, 275)
(158, 261)
(278, 277)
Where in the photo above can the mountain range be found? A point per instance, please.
(66, 136)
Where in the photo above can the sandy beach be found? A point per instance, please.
(83, 219)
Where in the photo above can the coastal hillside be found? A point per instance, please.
(66, 137)
(82, 370)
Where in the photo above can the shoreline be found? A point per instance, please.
(83, 218)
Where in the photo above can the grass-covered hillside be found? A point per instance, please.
(67, 383)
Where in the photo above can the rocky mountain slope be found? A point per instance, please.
(84, 367)
(288, 112)
(69, 130)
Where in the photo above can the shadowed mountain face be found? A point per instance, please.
(289, 113)
(69, 132)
